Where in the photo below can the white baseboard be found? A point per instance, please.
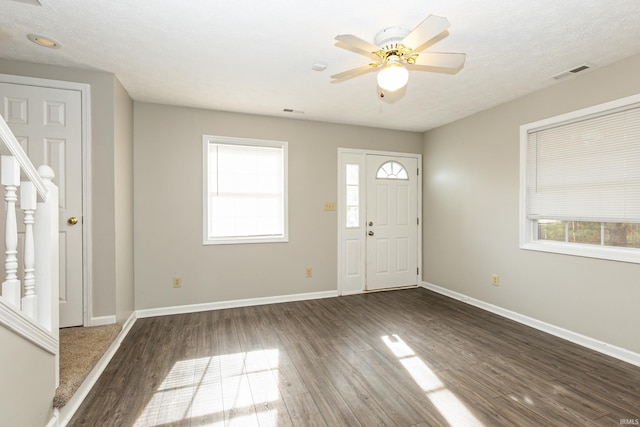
(358, 292)
(593, 344)
(65, 413)
(53, 422)
(101, 321)
(195, 308)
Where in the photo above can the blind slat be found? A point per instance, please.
(586, 170)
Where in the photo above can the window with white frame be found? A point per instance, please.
(352, 195)
(245, 190)
(580, 182)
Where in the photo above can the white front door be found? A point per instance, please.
(48, 124)
(391, 221)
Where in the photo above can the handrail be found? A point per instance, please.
(26, 166)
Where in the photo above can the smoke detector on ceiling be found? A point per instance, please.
(319, 66)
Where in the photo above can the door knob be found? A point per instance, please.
(371, 233)
(73, 220)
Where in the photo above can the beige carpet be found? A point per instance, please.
(80, 350)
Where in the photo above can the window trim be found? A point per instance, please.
(214, 139)
(527, 239)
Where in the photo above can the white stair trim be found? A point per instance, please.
(65, 413)
(19, 323)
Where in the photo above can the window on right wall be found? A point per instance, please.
(580, 182)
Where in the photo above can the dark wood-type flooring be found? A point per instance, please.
(405, 358)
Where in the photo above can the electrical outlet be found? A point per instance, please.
(309, 272)
(495, 280)
(177, 282)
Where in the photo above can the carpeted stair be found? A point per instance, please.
(80, 350)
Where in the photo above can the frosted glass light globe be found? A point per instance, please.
(393, 76)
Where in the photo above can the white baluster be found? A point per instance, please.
(28, 203)
(45, 232)
(11, 180)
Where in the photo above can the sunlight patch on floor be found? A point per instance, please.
(219, 390)
(447, 403)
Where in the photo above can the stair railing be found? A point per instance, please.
(29, 298)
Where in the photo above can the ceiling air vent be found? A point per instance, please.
(572, 71)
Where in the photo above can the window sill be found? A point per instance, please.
(242, 241)
(589, 251)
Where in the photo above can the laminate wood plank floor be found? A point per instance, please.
(402, 358)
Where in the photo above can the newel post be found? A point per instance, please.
(10, 171)
(47, 265)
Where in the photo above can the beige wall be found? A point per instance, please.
(168, 206)
(471, 185)
(123, 188)
(102, 163)
(27, 382)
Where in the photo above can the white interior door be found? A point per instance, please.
(48, 124)
(391, 221)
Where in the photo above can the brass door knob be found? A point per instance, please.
(73, 220)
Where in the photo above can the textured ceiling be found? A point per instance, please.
(256, 56)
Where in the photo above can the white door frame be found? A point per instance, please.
(85, 94)
(356, 282)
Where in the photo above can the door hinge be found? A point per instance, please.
(418, 172)
(418, 271)
(418, 221)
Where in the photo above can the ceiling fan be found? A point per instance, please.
(397, 49)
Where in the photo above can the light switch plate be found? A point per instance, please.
(329, 206)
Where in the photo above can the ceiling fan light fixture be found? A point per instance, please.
(395, 49)
(393, 76)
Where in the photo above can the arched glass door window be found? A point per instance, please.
(392, 170)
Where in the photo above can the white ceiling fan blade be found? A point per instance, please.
(354, 72)
(356, 44)
(440, 59)
(425, 31)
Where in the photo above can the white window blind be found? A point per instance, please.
(246, 191)
(586, 170)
